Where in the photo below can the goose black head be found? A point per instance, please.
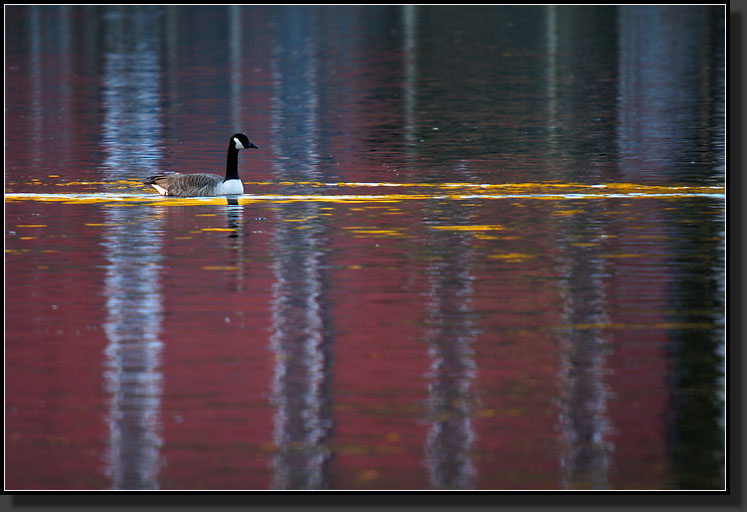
(240, 141)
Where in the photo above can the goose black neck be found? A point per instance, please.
(232, 163)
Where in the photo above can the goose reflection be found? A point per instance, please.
(233, 216)
(236, 242)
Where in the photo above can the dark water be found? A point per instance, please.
(480, 248)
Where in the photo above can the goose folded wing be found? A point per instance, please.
(187, 184)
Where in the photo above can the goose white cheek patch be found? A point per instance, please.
(238, 143)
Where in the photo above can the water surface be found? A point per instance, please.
(480, 248)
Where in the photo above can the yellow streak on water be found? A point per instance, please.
(470, 228)
(374, 231)
(511, 257)
(413, 192)
(72, 183)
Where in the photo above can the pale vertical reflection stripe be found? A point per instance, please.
(133, 356)
(409, 14)
(583, 353)
(63, 77)
(297, 342)
(582, 415)
(312, 118)
(132, 375)
(302, 414)
(35, 56)
(450, 335)
(552, 76)
(234, 49)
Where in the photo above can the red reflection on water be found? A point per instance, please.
(55, 433)
(392, 318)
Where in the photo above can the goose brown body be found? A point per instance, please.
(205, 184)
(186, 185)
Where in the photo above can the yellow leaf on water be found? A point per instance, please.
(567, 212)
(368, 474)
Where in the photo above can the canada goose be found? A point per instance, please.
(205, 184)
